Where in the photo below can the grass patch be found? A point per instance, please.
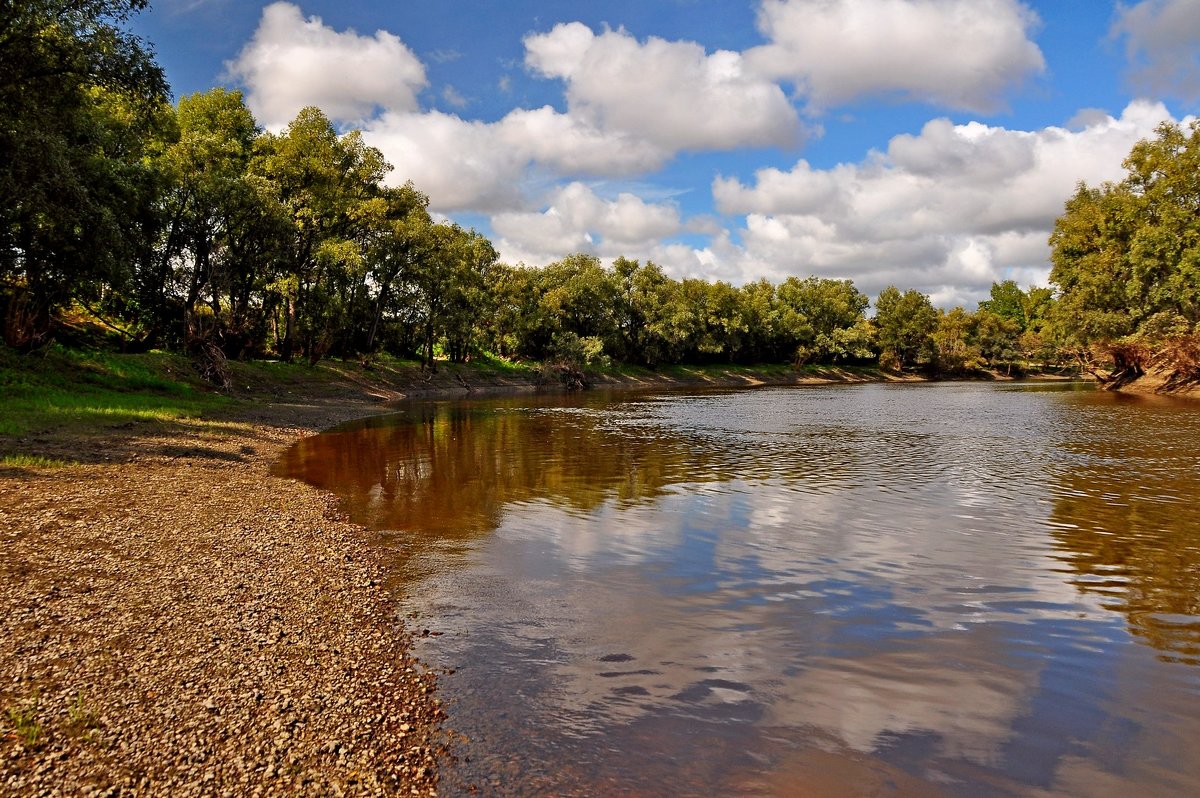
(24, 721)
(61, 388)
(488, 363)
(30, 461)
(83, 722)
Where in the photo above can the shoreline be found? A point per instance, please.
(175, 619)
(181, 622)
(1159, 383)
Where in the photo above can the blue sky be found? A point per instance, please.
(923, 143)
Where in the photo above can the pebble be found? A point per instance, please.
(203, 628)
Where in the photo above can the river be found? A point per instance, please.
(934, 589)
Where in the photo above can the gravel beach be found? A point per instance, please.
(176, 621)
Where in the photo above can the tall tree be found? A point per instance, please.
(204, 208)
(1126, 252)
(327, 183)
(395, 239)
(1006, 300)
(905, 324)
(831, 311)
(76, 90)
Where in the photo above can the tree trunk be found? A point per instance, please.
(289, 331)
(378, 318)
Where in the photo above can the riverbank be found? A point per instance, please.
(174, 620)
(180, 623)
(1161, 382)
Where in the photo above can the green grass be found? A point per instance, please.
(24, 721)
(69, 389)
(30, 461)
(488, 363)
(74, 391)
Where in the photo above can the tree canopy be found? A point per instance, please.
(80, 103)
(1126, 255)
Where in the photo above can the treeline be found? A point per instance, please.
(577, 311)
(208, 232)
(189, 227)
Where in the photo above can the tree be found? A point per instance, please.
(331, 187)
(79, 101)
(1125, 252)
(394, 239)
(1038, 304)
(512, 327)
(204, 208)
(760, 309)
(580, 296)
(997, 338)
(1007, 300)
(467, 257)
(905, 324)
(822, 312)
(956, 352)
(651, 296)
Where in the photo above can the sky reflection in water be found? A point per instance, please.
(950, 589)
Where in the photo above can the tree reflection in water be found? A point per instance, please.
(451, 468)
(1127, 518)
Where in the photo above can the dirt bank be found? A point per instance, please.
(1162, 383)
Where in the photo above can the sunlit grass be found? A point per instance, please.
(490, 363)
(30, 461)
(71, 389)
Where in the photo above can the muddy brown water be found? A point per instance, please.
(950, 589)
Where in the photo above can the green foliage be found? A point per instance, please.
(824, 319)
(905, 324)
(1007, 301)
(997, 338)
(80, 103)
(969, 342)
(216, 223)
(578, 352)
(957, 352)
(1127, 252)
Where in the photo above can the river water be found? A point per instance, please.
(948, 589)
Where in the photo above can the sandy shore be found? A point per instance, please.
(179, 622)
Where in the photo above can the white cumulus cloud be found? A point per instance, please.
(470, 165)
(947, 211)
(576, 219)
(1162, 41)
(957, 53)
(292, 62)
(670, 93)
